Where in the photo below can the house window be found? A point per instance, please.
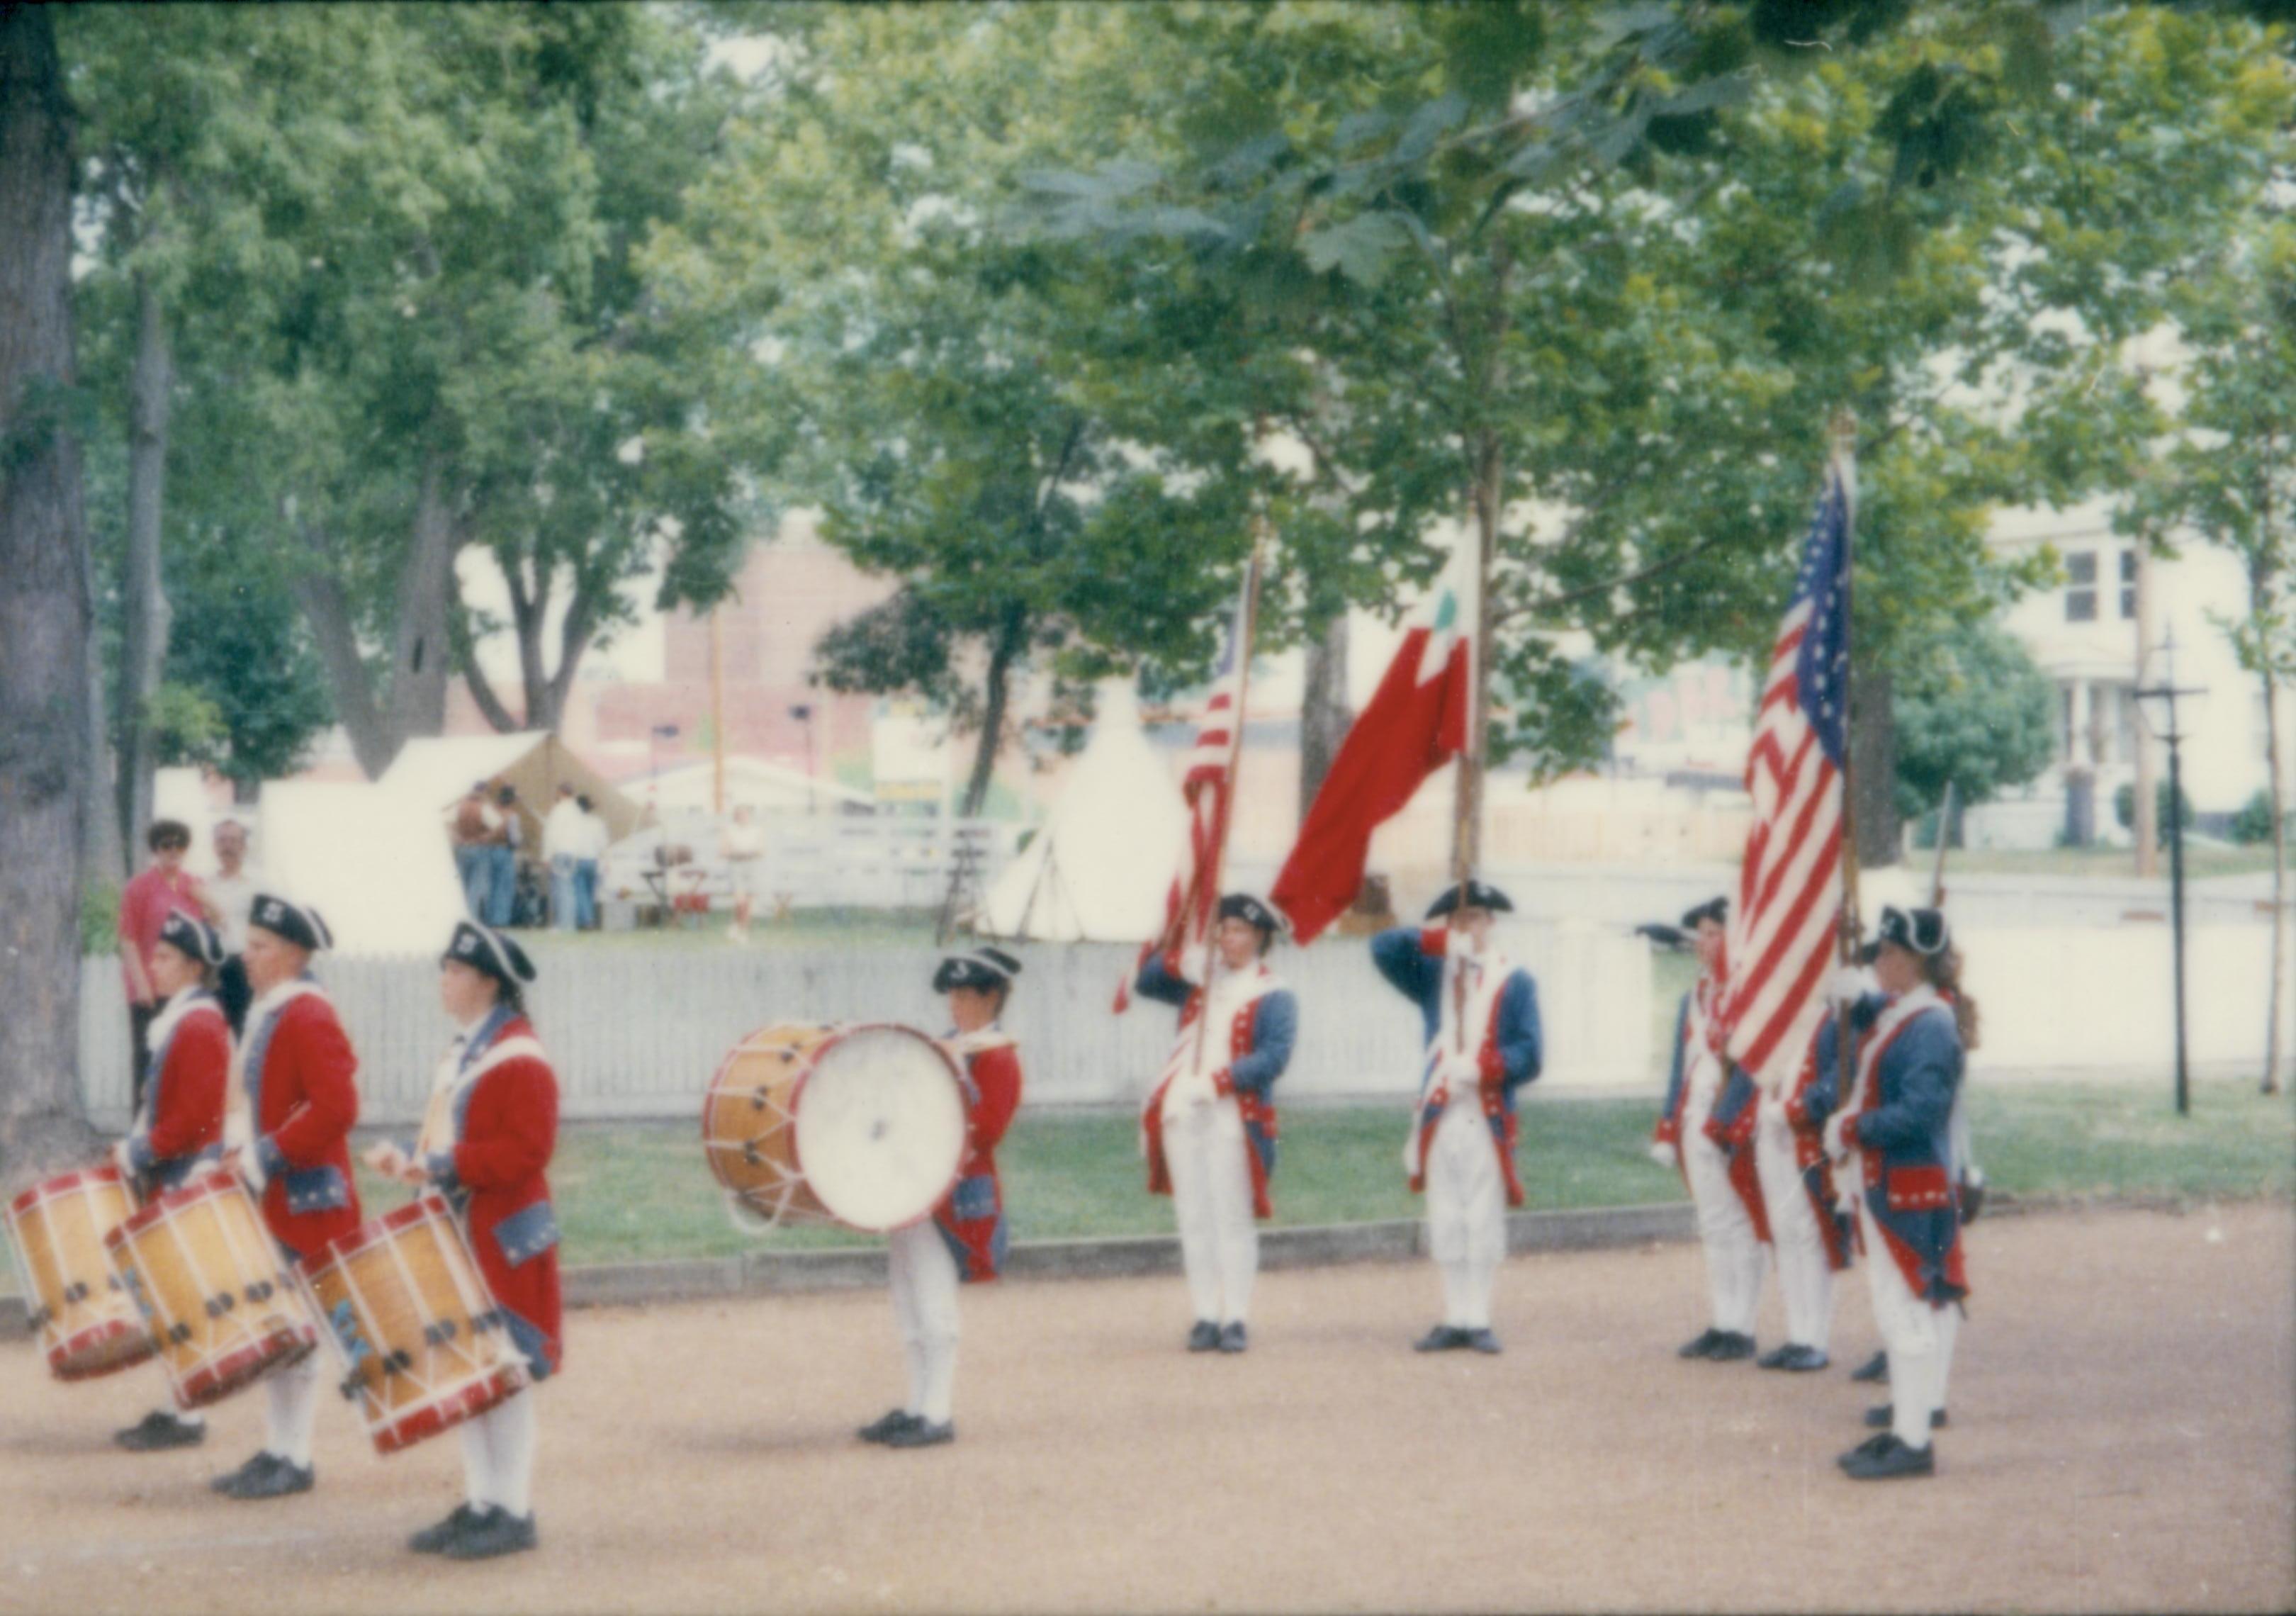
(2129, 586)
(2080, 593)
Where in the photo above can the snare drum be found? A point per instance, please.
(424, 1346)
(220, 1302)
(88, 1322)
(860, 1125)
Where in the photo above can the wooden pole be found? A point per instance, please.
(1244, 635)
(716, 713)
(1843, 461)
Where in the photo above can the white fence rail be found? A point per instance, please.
(636, 1031)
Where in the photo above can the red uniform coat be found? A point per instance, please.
(971, 1218)
(505, 1130)
(302, 1093)
(182, 1104)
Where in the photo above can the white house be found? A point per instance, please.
(2083, 634)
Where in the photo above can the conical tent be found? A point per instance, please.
(432, 774)
(1100, 869)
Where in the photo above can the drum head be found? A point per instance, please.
(881, 1127)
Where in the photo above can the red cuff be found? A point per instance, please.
(1435, 940)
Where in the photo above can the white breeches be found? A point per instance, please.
(1726, 1229)
(291, 1404)
(1204, 1148)
(1918, 1336)
(1466, 1213)
(925, 1307)
(498, 1456)
(1804, 1280)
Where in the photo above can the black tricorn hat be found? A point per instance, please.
(298, 923)
(1478, 894)
(984, 968)
(1244, 907)
(1716, 910)
(192, 938)
(496, 952)
(1921, 931)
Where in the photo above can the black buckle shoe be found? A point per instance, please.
(435, 1539)
(1703, 1346)
(230, 1483)
(1883, 1415)
(1865, 1449)
(497, 1531)
(881, 1430)
(160, 1428)
(277, 1480)
(1203, 1336)
(1442, 1338)
(1888, 1461)
(1729, 1345)
(1232, 1337)
(1874, 1368)
(923, 1433)
(1480, 1340)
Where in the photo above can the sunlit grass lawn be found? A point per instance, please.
(628, 1193)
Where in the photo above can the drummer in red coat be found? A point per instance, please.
(291, 1105)
(486, 1141)
(963, 1241)
(180, 1121)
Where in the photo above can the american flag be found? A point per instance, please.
(1208, 786)
(1782, 926)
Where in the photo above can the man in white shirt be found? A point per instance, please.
(591, 848)
(233, 887)
(562, 838)
(744, 847)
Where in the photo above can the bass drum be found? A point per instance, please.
(859, 1126)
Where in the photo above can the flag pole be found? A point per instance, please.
(1467, 783)
(1244, 635)
(1842, 461)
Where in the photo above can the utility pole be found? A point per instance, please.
(2167, 692)
(716, 713)
(2144, 816)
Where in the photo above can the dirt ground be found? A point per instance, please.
(2123, 1437)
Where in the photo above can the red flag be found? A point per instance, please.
(1416, 722)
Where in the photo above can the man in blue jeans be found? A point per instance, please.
(594, 841)
(502, 857)
(562, 835)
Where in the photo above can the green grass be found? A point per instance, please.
(629, 1192)
(2107, 862)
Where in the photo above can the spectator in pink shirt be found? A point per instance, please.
(144, 904)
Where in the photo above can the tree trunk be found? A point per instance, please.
(43, 615)
(1323, 714)
(490, 705)
(320, 593)
(422, 655)
(1002, 657)
(2272, 1024)
(528, 610)
(102, 850)
(1487, 495)
(144, 611)
(1873, 767)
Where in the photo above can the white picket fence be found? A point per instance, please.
(638, 1031)
(822, 861)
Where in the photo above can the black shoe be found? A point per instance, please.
(1804, 1359)
(1866, 1449)
(1776, 1357)
(1874, 1368)
(435, 1539)
(1203, 1336)
(277, 1479)
(230, 1483)
(881, 1430)
(1442, 1338)
(1891, 1460)
(1882, 1416)
(496, 1531)
(1482, 1341)
(160, 1428)
(1703, 1346)
(924, 1433)
(1729, 1345)
(1232, 1337)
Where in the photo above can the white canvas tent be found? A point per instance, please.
(433, 774)
(1099, 870)
(379, 874)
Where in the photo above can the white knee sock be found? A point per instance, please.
(937, 1396)
(477, 1464)
(1949, 1328)
(293, 1402)
(510, 1434)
